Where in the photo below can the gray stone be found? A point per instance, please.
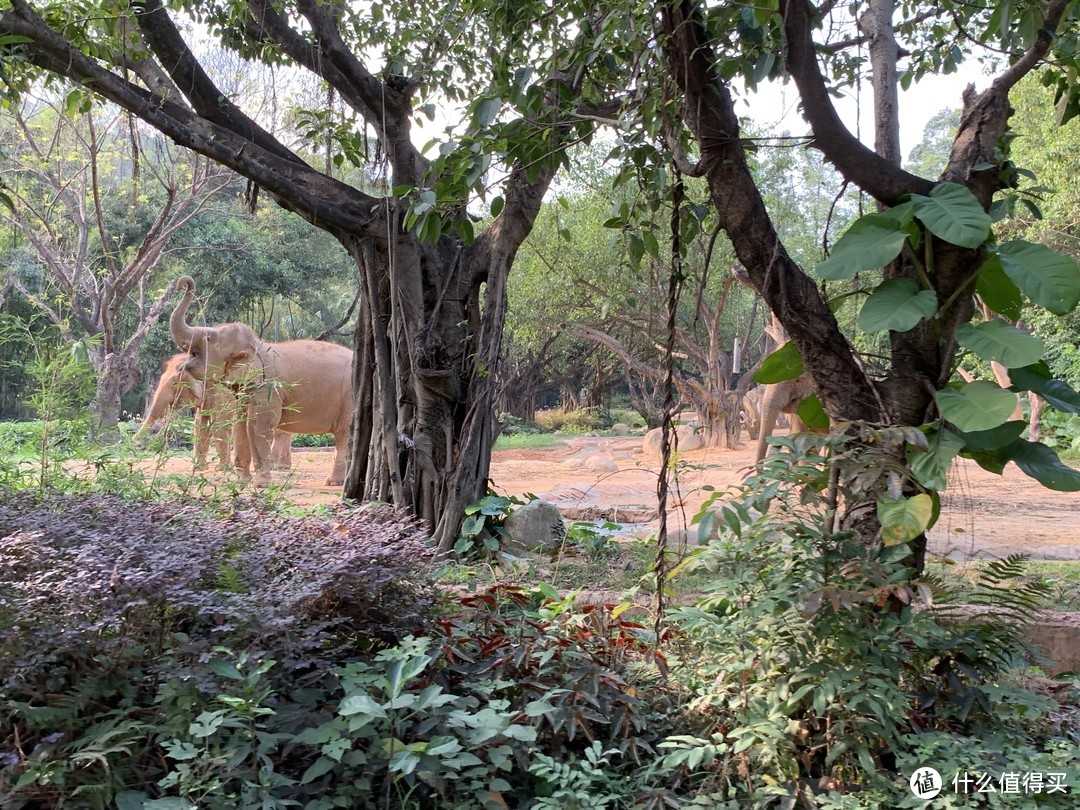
(620, 429)
(536, 525)
(688, 439)
(601, 463)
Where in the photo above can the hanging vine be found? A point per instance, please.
(669, 442)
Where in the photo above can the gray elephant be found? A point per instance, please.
(777, 398)
(215, 416)
(299, 386)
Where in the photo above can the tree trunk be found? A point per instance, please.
(425, 367)
(116, 376)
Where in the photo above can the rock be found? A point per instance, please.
(620, 429)
(537, 525)
(601, 463)
(687, 436)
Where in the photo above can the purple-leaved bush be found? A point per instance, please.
(91, 578)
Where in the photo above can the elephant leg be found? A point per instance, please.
(203, 428)
(771, 403)
(341, 450)
(241, 447)
(223, 446)
(281, 451)
(262, 422)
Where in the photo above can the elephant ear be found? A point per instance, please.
(240, 358)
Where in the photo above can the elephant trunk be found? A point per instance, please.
(174, 390)
(183, 332)
(162, 402)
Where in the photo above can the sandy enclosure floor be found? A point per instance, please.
(983, 515)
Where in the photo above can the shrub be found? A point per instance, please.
(313, 440)
(510, 425)
(817, 674)
(506, 705)
(111, 613)
(582, 420)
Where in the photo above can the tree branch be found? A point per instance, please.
(321, 200)
(882, 180)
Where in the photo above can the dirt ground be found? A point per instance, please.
(983, 515)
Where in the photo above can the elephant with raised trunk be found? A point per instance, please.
(299, 386)
(215, 416)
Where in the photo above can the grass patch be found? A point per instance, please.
(529, 441)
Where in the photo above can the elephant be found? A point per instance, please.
(215, 416)
(297, 386)
(750, 416)
(781, 397)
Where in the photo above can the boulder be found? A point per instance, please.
(537, 525)
(601, 463)
(620, 429)
(687, 436)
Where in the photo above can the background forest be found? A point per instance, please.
(586, 321)
(179, 642)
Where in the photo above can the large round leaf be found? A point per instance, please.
(930, 467)
(896, 304)
(952, 213)
(997, 340)
(1045, 276)
(1038, 378)
(871, 242)
(979, 405)
(812, 414)
(997, 290)
(783, 364)
(904, 519)
(1043, 464)
(987, 441)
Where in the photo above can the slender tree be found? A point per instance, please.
(73, 181)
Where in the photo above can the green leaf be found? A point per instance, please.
(321, 767)
(871, 242)
(931, 467)
(952, 213)
(472, 525)
(535, 708)
(904, 519)
(497, 206)
(984, 441)
(997, 290)
(404, 761)
(487, 111)
(225, 670)
(1045, 276)
(439, 746)
(997, 340)
(812, 414)
(360, 703)
(897, 304)
(783, 364)
(979, 405)
(130, 799)
(1042, 463)
(1037, 378)
(652, 247)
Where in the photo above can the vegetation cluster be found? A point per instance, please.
(165, 647)
(167, 654)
